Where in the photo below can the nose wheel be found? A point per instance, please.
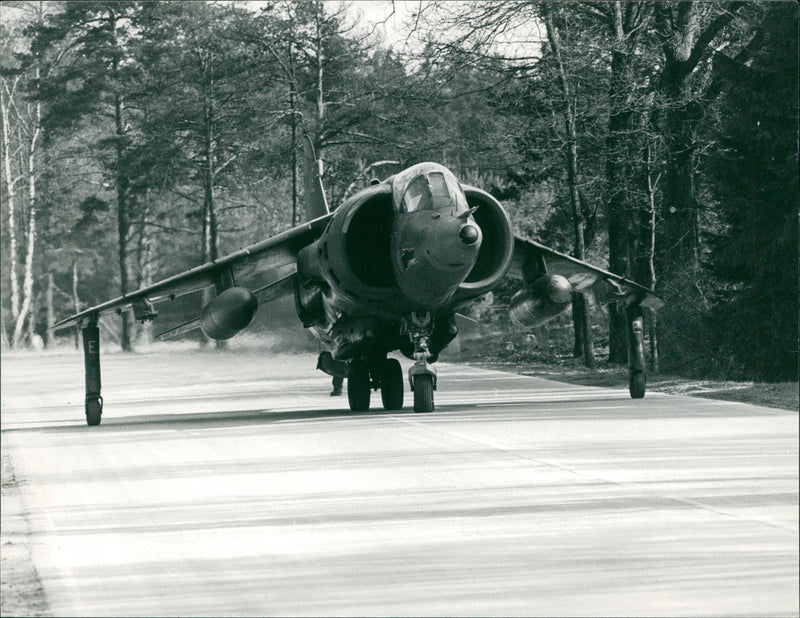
(423, 393)
(422, 375)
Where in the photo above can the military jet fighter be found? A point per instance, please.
(386, 271)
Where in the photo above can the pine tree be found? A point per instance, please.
(92, 82)
(755, 169)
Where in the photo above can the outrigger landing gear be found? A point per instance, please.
(422, 375)
(635, 330)
(91, 359)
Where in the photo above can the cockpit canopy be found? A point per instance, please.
(427, 186)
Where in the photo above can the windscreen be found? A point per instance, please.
(427, 186)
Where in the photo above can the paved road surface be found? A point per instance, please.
(232, 484)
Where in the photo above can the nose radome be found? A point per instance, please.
(469, 234)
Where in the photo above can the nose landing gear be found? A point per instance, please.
(370, 370)
(422, 375)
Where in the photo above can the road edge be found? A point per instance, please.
(21, 590)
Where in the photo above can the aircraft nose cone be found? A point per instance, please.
(469, 234)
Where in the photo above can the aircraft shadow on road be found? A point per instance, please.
(260, 416)
(199, 420)
(579, 409)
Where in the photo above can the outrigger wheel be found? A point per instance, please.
(637, 384)
(635, 330)
(94, 411)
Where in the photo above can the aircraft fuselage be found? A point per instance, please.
(404, 247)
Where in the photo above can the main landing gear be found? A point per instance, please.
(635, 329)
(365, 373)
(363, 377)
(91, 359)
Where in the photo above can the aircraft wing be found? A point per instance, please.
(532, 257)
(274, 258)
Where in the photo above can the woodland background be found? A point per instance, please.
(656, 139)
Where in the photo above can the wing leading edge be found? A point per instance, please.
(275, 257)
(532, 258)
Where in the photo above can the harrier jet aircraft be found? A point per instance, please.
(387, 270)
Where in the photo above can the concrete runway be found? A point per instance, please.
(232, 484)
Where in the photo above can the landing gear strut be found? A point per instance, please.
(635, 330)
(422, 374)
(91, 360)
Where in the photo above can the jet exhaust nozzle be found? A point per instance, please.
(542, 300)
(228, 313)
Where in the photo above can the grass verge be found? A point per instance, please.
(565, 368)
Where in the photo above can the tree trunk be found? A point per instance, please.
(646, 271)
(319, 66)
(11, 182)
(617, 176)
(31, 336)
(583, 336)
(4, 343)
(210, 247)
(27, 276)
(293, 158)
(75, 302)
(210, 225)
(577, 325)
(25, 310)
(144, 266)
(651, 317)
(680, 212)
(51, 314)
(319, 77)
(619, 122)
(685, 41)
(580, 317)
(123, 223)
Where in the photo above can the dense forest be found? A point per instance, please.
(656, 139)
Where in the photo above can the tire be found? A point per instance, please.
(358, 386)
(423, 393)
(638, 384)
(392, 385)
(94, 412)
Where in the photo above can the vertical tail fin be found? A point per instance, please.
(316, 203)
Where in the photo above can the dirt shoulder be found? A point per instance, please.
(784, 395)
(21, 592)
